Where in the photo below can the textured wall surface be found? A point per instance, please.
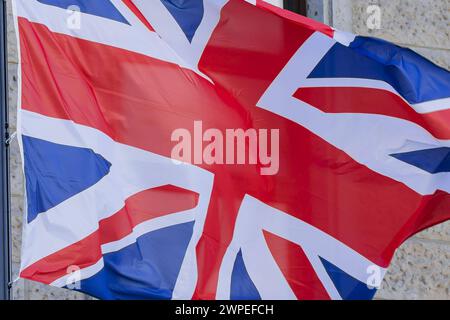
(421, 267)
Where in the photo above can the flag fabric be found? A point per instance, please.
(364, 150)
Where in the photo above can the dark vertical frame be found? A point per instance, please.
(298, 6)
(5, 247)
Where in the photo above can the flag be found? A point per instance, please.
(129, 124)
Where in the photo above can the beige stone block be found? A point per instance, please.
(441, 232)
(18, 286)
(12, 95)
(16, 238)
(17, 206)
(424, 23)
(12, 42)
(18, 291)
(343, 15)
(38, 291)
(15, 268)
(419, 270)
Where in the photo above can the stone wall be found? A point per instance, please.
(421, 268)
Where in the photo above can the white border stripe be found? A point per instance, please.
(369, 139)
(84, 274)
(255, 216)
(432, 106)
(138, 231)
(423, 108)
(343, 37)
(169, 29)
(132, 169)
(149, 226)
(102, 30)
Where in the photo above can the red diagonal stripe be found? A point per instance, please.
(296, 268)
(141, 207)
(304, 22)
(375, 101)
(138, 13)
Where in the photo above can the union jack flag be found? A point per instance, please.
(364, 150)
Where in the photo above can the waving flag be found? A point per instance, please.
(364, 150)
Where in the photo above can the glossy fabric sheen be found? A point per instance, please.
(144, 227)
